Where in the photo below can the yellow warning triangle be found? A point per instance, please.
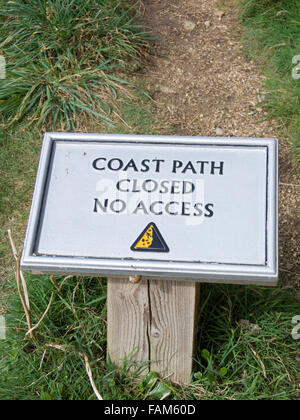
(150, 240)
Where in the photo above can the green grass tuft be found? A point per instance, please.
(230, 362)
(62, 57)
(272, 33)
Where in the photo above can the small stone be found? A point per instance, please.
(219, 131)
(189, 26)
(166, 89)
(220, 14)
(207, 24)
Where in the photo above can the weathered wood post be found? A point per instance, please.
(171, 210)
(153, 321)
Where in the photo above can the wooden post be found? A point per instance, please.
(153, 321)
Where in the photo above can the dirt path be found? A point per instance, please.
(204, 85)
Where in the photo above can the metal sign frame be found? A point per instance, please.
(196, 271)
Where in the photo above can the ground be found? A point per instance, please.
(204, 84)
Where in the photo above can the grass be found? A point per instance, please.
(230, 363)
(62, 57)
(272, 34)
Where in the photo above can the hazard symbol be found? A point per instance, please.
(150, 240)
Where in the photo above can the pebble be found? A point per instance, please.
(189, 25)
(220, 14)
(219, 131)
(166, 89)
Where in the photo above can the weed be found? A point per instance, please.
(62, 57)
(230, 361)
(272, 33)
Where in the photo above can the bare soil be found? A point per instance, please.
(203, 84)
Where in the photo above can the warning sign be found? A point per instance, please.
(150, 240)
(159, 206)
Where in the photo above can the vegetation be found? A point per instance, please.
(272, 33)
(62, 57)
(237, 359)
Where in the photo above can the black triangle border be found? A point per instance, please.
(162, 241)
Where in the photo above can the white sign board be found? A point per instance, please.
(162, 206)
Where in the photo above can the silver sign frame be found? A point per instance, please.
(266, 274)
